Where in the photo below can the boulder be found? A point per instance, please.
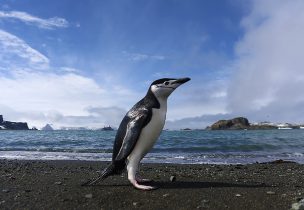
(15, 125)
(12, 125)
(238, 123)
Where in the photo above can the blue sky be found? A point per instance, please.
(85, 63)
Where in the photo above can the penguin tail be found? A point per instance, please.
(108, 171)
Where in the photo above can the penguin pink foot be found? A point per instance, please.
(142, 187)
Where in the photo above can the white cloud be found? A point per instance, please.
(66, 93)
(51, 23)
(108, 115)
(64, 100)
(198, 97)
(15, 51)
(269, 70)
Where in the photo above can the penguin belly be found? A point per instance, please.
(149, 135)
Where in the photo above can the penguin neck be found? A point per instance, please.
(158, 102)
(162, 102)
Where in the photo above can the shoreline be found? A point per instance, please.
(27, 184)
(192, 158)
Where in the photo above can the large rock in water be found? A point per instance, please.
(7, 125)
(238, 123)
(15, 125)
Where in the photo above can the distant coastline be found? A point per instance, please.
(242, 123)
(238, 123)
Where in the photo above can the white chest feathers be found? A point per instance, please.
(150, 133)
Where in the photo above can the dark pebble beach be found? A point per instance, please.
(57, 185)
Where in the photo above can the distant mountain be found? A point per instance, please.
(47, 127)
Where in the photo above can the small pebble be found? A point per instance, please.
(135, 203)
(270, 192)
(172, 178)
(166, 195)
(5, 191)
(89, 195)
(238, 195)
(58, 183)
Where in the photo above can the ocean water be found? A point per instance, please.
(181, 147)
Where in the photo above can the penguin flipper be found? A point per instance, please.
(134, 128)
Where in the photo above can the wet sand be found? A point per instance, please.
(57, 185)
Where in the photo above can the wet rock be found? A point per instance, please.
(280, 161)
(5, 190)
(165, 195)
(238, 167)
(205, 201)
(89, 196)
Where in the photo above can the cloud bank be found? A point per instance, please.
(269, 76)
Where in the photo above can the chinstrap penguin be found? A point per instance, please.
(139, 130)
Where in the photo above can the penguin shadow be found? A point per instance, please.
(186, 185)
(197, 185)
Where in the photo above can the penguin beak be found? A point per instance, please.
(181, 80)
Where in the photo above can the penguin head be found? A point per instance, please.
(162, 88)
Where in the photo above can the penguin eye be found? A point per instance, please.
(166, 83)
